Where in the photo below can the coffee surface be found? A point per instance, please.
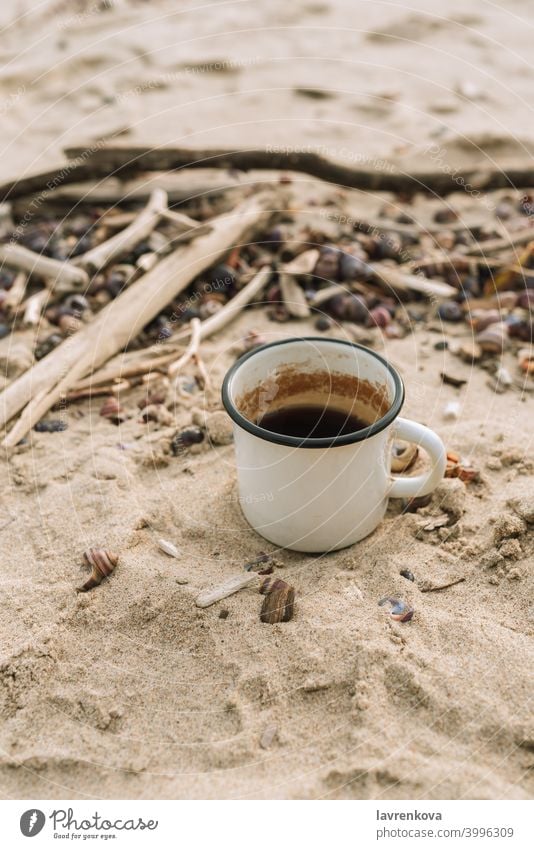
(311, 421)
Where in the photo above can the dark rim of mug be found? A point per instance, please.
(313, 442)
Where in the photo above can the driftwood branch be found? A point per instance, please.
(15, 294)
(514, 240)
(293, 295)
(121, 320)
(33, 307)
(123, 241)
(63, 276)
(404, 281)
(191, 350)
(90, 163)
(112, 157)
(184, 224)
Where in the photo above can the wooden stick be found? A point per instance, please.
(403, 281)
(123, 241)
(64, 276)
(102, 187)
(388, 225)
(292, 294)
(431, 588)
(293, 297)
(229, 587)
(90, 392)
(490, 246)
(122, 369)
(33, 307)
(183, 223)
(123, 318)
(324, 295)
(191, 350)
(111, 157)
(16, 293)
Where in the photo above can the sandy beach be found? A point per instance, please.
(130, 690)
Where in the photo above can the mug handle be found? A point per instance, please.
(404, 487)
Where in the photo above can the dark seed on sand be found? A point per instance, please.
(442, 345)
(186, 438)
(405, 573)
(451, 380)
(224, 614)
(411, 505)
(51, 426)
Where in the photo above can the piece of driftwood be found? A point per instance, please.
(95, 391)
(229, 587)
(514, 240)
(432, 588)
(292, 293)
(99, 188)
(191, 351)
(389, 225)
(125, 240)
(404, 281)
(107, 158)
(15, 294)
(33, 307)
(122, 319)
(62, 276)
(183, 223)
(293, 296)
(324, 295)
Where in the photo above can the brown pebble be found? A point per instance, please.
(470, 352)
(224, 613)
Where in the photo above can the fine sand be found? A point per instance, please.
(131, 691)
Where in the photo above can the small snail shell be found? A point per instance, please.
(102, 563)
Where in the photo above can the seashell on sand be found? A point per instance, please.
(168, 548)
(102, 563)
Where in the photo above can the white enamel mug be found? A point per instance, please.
(321, 494)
